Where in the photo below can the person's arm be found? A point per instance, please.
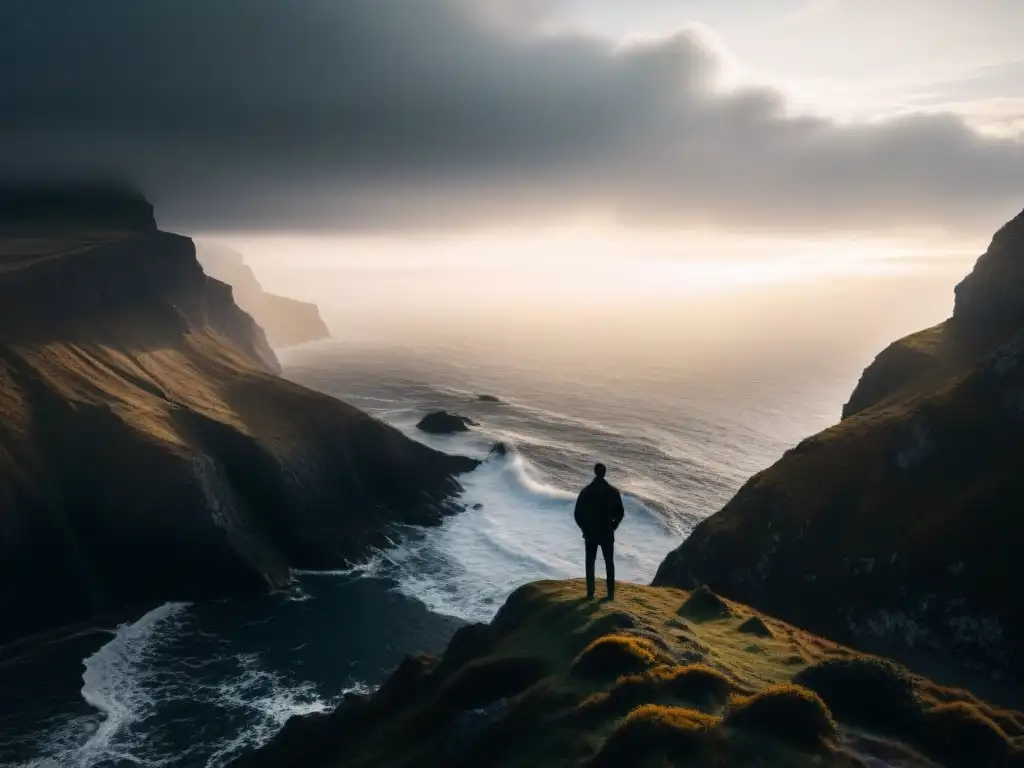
(578, 511)
(620, 511)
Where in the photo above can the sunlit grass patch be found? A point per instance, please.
(612, 656)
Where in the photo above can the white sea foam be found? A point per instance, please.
(270, 702)
(115, 683)
(523, 531)
(115, 676)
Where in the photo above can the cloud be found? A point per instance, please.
(384, 115)
(809, 9)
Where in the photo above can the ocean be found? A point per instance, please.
(681, 417)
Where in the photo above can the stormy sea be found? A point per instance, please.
(197, 684)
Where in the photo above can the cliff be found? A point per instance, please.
(287, 322)
(659, 677)
(898, 529)
(149, 452)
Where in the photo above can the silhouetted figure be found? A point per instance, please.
(598, 513)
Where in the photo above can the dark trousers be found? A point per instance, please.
(607, 545)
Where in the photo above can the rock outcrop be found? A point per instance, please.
(899, 529)
(286, 321)
(149, 452)
(444, 423)
(559, 680)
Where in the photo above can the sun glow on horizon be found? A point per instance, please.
(577, 263)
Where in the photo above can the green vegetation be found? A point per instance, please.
(963, 736)
(755, 626)
(704, 605)
(559, 680)
(863, 689)
(784, 711)
(614, 655)
(674, 733)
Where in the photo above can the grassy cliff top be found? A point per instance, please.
(658, 677)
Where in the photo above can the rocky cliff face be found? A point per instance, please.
(148, 451)
(286, 321)
(899, 528)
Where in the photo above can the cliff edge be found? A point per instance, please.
(286, 321)
(659, 677)
(898, 529)
(149, 452)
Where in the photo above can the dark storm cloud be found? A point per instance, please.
(385, 114)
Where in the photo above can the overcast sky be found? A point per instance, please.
(750, 116)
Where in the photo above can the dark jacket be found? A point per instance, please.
(599, 509)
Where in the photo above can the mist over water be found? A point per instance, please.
(684, 395)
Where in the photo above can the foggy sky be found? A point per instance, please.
(396, 115)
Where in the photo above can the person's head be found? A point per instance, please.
(599, 470)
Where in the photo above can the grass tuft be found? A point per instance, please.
(673, 732)
(755, 626)
(865, 690)
(784, 711)
(694, 683)
(962, 736)
(612, 656)
(704, 605)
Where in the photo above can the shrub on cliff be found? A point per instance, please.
(960, 735)
(704, 605)
(864, 689)
(784, 711)
(755, 626)
(611, 656)
(673, 732)
(695, 683)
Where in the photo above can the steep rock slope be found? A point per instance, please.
(900, 527)
(659, 677)
(149, 452)
(286, 321)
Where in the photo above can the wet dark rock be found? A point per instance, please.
(445, 423)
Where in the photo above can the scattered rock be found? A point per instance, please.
(477, 507)
(488, 399)
(755, 626)
(499, 449)
(703, 604)
(444, 423)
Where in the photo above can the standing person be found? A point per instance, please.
(598, 513)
